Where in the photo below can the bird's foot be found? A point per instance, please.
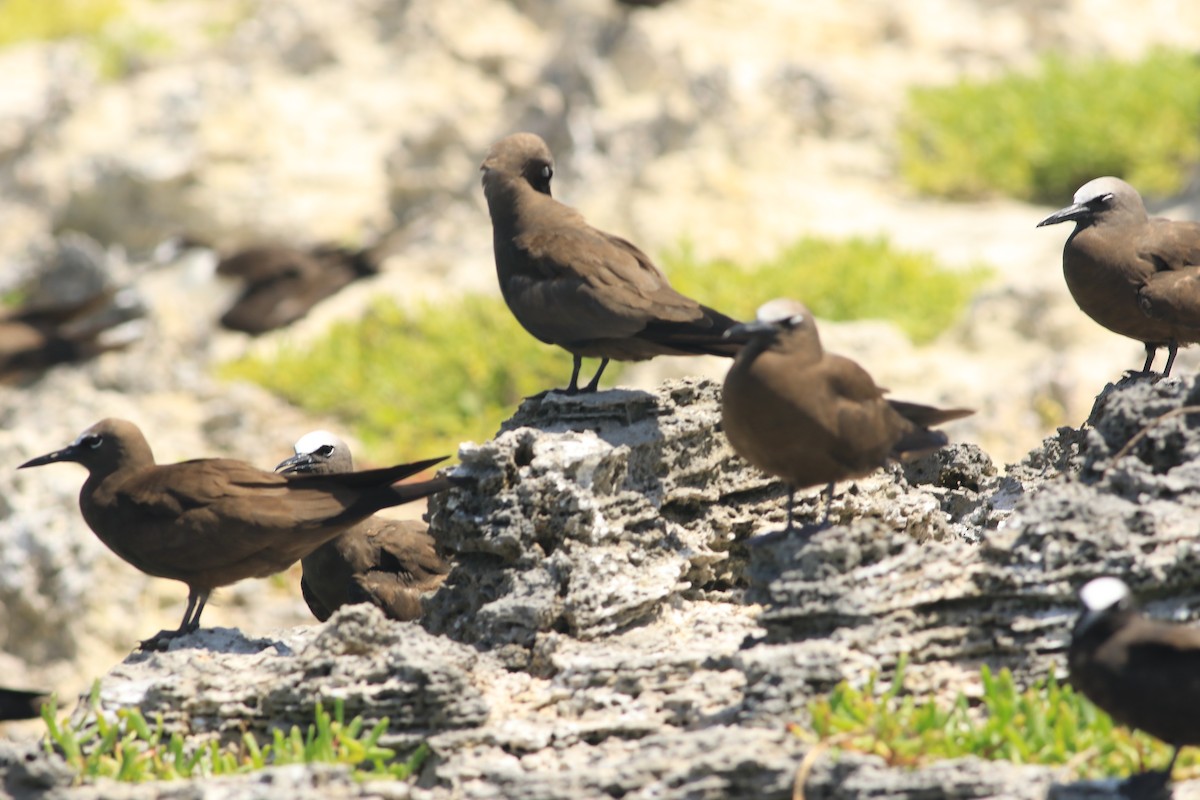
(161, 640)
(1154, 785)
(802, 531)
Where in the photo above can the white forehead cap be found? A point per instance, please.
(315, 440)
(779, 310)
(1098, 187)
(1102, 593)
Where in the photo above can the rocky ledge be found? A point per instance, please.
(627, 618)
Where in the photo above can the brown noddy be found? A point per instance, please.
(20, 704)
(591, 293)
(1134, 274)
(388, 562)
(281, 283)
(211, 522)
(35, 337)
(810, 417)
(1144, 673)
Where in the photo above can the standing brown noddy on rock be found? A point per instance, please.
(281, 282)
(20, 704)
(591, 293)
(1144, 673)
(1135, 275)
(211, 522)
(388, 562)
(810, 417)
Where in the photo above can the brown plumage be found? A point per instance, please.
(282, 283)
(215, 521)
(591, 293)
(390, 563)
(33, 338)
(813, 418)
(1133, 274)
(20, 704)
(1145, 674)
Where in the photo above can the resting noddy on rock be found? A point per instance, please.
(810, 417)
(1144, 673)
(211, 522)
(1136, 275)
(281, 283)
(591, 293)
(388, 562)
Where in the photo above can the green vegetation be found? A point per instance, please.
(416, 383)
(1046, 724)
(1042, 136)
(36, 20)
(132, 750)
(856, 278)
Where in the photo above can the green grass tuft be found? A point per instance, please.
(856, 278)
(40, 20)
(416, 384)
(1040, 137)
(1048, 723)
(134, 751)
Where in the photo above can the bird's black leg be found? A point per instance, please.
(190, 623)
(828, 504)
(573, 386)
(791, 502)
(1172, 350)
(595, 381)
(1151, 349)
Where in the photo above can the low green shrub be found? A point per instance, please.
(1041, 136)
(856, 278)
(132, 750)
(37, 20)
(1049, 723)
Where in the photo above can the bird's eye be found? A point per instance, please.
(325, 450)
(91, 441)
(547, 172)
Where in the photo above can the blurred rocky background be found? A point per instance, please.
(737, 127)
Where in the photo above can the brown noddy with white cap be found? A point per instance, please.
(1144, 673)
(388, 562)
(810, 417)
(211, 522)
(1136, 275)
(591, 293)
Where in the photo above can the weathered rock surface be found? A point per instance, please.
(615, 626)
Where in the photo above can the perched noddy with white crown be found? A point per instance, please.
(1136, 275)
(211, 522)
(810, 417)
(591, 293)
(1144, 673)
(388, 562)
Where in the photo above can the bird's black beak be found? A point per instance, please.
(298, 464)
(1076, 211)
(68, 453)
(745, 331)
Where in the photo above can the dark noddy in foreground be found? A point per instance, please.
(20, 704)
(211, 522)
(388, 562)
(281, 282)
(813, 418)
(1136, 275)
(591, 293)
(1144, 673)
